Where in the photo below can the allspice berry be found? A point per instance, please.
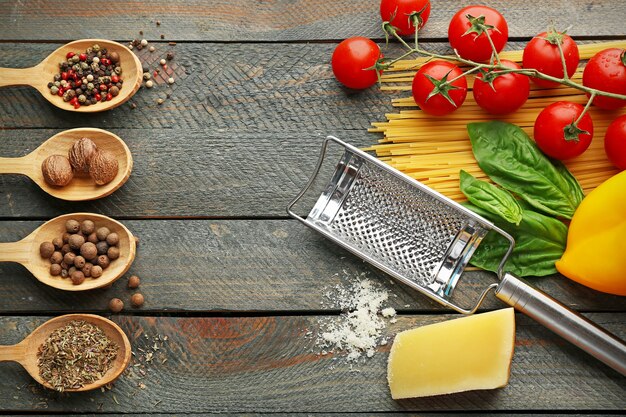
(103, 261)
(79, 262)
(116, 305)
(76, 241)
(77, 277)
(66, 248)
(113, 239)
(88, 250)
(96, 271)
(102, 248)
(65, 237)
(81, 153)
(72, 226)
(55, 270)
(57, 170)
(92, 238)
(103, 167)
(137, 300)
(113, 253)
(46, 249)
(68, 258)
(87, 269)
(102, 233)
(56, 258)
(87, 227)
(58, 243)
(133, 282)
(114, 57)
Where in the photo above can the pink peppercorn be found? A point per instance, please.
(82, 57)
(69, 55)
(109, 97)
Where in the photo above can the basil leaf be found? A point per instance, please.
(575, 189)
(491, 198)
(539, 242)
(512, 160)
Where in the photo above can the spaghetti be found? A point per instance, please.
(434, 149)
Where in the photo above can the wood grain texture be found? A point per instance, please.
(283, 20)
(246, 266)
(266, 364)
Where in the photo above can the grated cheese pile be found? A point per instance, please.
(358, 330)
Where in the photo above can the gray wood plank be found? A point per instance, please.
(279, 20)
(266, 365)
(246, 266)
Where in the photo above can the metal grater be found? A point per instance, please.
(425, 240)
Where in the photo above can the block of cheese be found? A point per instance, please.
(469, 353)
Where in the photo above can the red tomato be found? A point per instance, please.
(553, 132)
(542, 54)
(351, 59)
(470, 40)
(606, 71)
(397, 13)
(506, 92)
(427, 81)
(615, 142)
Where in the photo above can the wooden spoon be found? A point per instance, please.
(25, 352)
(26, 252)
(40, 75)
(82, 187)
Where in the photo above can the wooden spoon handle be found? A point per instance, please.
(23, 165)
(16, 251)
(19, 76)
(14, 353)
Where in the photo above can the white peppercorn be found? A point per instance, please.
(170, 80)
(149, 84)
(144, 42)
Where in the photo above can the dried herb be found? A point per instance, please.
(74, 355)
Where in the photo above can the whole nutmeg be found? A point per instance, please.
(58, 242)
(133, 282)
(72, 226)
(88, 250)
(69, 257)
(76, 241)
(113, 253)
(103, 167)
(87, 227)
(102, 248)
(113, 239)
(103, 261)
(96, 271)
(92, 238)
(55, 270)
(79, 262)
(77, 277)
(57, 170)
(56, 258)
(116, 305)
(87, 269)
(137, 300)
(46, 249)
(102, 233)
(81, 153)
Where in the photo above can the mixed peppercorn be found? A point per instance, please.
(87, 78)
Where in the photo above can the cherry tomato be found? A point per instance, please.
(468, 35)
(503, 94)
(351, 59)
(553, 130)
(606, 71)
(397, 13)
(542, 54)
(615, 142)
(428, 80)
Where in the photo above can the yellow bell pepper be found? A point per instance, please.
(595, 255)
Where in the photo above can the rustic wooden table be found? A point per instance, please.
(231, 282)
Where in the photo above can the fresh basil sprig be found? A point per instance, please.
(491, 198)
(512, 160)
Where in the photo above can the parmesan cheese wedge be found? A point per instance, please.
(468, 353)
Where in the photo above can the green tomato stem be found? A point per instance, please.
(493, 47)
(562, 55)
(593, 95)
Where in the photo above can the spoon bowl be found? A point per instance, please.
(41, 74)
(26, 252)
(82, 187)
(25, 352)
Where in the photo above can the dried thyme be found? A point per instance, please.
(74, 355)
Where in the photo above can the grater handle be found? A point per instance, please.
(565, 322)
